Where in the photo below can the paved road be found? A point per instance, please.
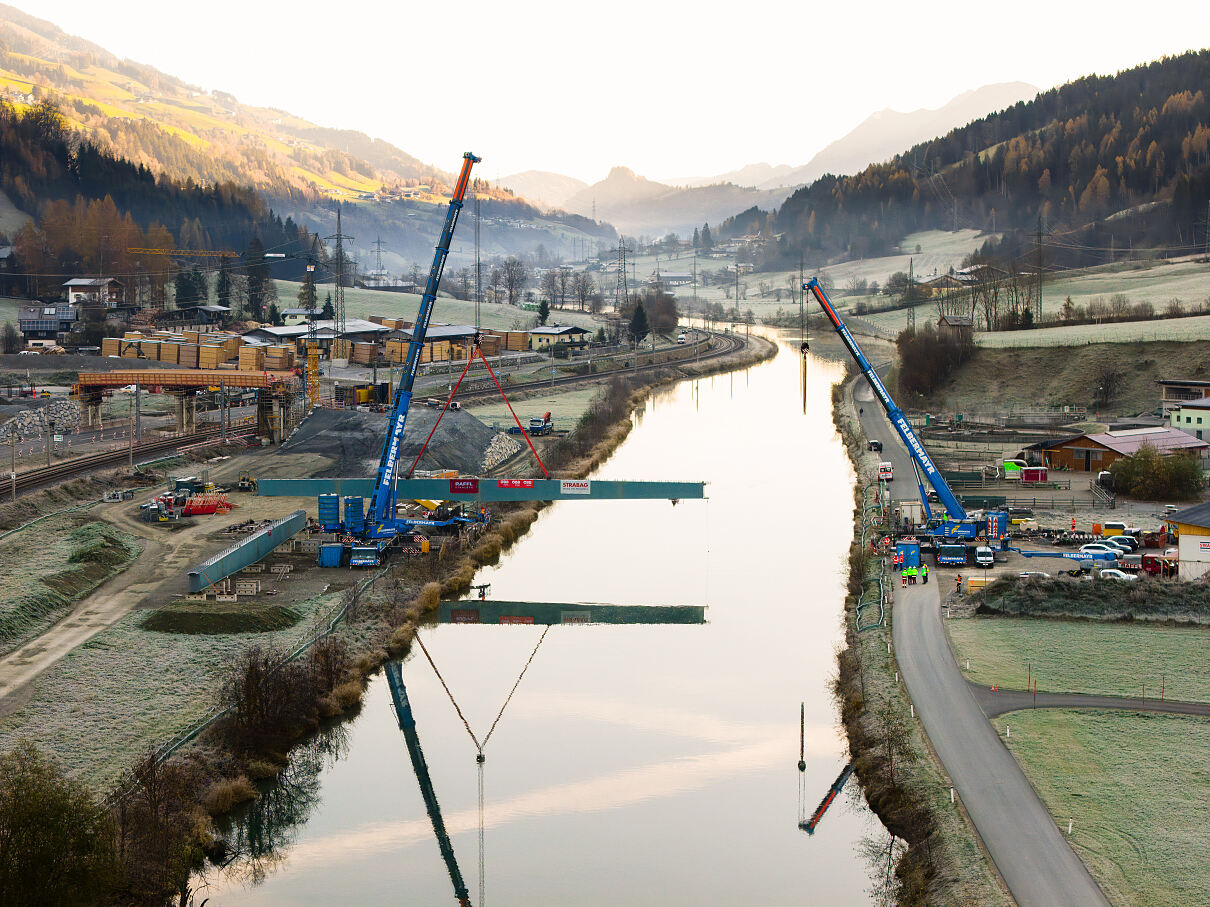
(1032, 855)
(998, 703)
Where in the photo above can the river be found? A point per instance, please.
(636, 764)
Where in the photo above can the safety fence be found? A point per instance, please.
(876, 585)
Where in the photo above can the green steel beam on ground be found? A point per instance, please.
(491, 490)
(475, 611)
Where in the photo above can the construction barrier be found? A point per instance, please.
(246, 551)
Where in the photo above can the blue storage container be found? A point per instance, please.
(330, 555)
(329, 512)
(355, 514)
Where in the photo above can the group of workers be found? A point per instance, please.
(909, 575)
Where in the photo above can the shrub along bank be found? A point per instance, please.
(1061, 597)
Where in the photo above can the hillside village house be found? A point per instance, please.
(92, 290)
(45, 325)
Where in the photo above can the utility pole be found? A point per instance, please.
(338, 296)
(130, 446)
(478, 267)
(1038, 301)
(12, 460)
(911, 289)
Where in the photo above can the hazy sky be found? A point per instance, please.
(668, 89)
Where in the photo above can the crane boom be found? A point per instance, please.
(920, 458)
(380, 517)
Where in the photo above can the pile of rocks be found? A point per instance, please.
(500, 449)
(65, 415)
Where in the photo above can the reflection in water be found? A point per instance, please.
(260, 834)
(638, 764)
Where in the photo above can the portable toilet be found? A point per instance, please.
(329, 512)
(909, 553)
(355, 515)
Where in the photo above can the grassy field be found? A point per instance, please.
(1057, 376)
(565, 408)
(47, 568)
(940, 250)
(1156, 283)
(1071, 656)
(364, 303)
(1137, 789)
(131, 689)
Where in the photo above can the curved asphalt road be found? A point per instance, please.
(1032, 855)
(1001, 702)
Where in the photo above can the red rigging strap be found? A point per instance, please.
(478, 352)
(524, 433)
(441, 415)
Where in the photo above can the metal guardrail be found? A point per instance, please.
(873, 517)
(1103, 494)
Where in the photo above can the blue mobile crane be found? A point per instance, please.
(380, 520)
(959, 524)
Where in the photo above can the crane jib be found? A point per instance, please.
(903, 428)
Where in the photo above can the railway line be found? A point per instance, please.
(487, 389)
(32, 479)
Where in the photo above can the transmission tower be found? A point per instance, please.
(622, 292)
(377, 244)
(338, 296)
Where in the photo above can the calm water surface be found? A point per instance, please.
(635, 764)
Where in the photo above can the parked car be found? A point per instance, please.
(1125, 542)
(1101, 548)
(1113, 573)
(875, 446)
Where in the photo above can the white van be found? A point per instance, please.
(984, 557)
(886, 472)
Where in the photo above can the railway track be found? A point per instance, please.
(69, 469)
(732, 343)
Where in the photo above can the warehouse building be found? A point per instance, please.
(1193, 546)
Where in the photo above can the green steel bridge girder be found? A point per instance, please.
(492, 490)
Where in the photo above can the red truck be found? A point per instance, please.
(1158, 565)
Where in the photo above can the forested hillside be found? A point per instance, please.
(1105, 162)
(91, 208)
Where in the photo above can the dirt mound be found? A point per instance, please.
(353, 440)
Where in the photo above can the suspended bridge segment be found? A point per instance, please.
(487, 491)
(494, 611)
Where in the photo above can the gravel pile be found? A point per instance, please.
(501, 448)
(353, 440)
(30, 422)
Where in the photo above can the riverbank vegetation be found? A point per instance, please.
(1144, 836)
(1146, 600)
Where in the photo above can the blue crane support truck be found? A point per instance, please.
(957, 524)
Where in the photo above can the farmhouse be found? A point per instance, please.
(1174, 391)
(551, 334)
(1191, 417)
(85, 290)
(1094, 452)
